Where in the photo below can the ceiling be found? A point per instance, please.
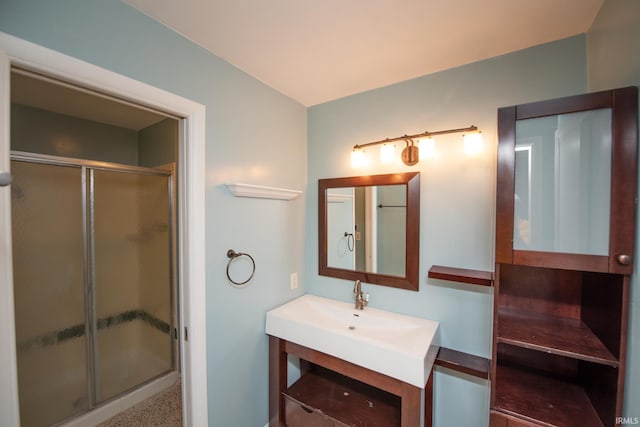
(319, 50)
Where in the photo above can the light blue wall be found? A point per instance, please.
(614, 61)
(40, 131)
(157, 143)
(613, 42)
(253, 135)
(457, 191)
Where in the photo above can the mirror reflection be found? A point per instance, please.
(366, 229)
(563, 183)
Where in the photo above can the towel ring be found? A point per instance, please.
(350, 241)
(231, 254)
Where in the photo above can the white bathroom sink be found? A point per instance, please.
(399, 346)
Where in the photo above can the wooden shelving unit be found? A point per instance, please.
(561, 307)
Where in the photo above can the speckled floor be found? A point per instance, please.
(162, 410)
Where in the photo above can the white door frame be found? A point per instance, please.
(191, 223)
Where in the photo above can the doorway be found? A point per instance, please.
(93, 247)
(190, 221)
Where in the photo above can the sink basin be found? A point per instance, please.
(399, 346)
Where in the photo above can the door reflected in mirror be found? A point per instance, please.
(369, 229)
(366, 229)
(563, 183)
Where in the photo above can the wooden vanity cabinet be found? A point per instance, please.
(332, 392)
(560, 319)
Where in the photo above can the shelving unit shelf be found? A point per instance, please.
(554, 335)
(459, 361)
(462, 275)
(543, 399)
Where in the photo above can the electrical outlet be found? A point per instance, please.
(293, 280)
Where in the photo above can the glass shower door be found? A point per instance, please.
(131, 244)
(48, 263)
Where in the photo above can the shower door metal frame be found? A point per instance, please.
(88, 198)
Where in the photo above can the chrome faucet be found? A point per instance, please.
(361, 299)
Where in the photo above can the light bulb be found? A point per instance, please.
(427, 148)
(357, 159)
(387, 153)
(472, 143)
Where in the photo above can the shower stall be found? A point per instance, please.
(94, 282)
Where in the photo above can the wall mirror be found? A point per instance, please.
(369, 229)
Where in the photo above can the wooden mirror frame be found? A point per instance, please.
(411, 279)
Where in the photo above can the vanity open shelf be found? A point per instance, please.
(325, 398)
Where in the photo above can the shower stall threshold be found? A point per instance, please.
(124, 402)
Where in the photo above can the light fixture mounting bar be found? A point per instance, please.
(408, 138)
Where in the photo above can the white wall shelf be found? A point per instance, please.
(261, 192)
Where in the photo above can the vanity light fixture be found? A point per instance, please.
(418, 147)
(427, 147)
(387, 153)
(472, 143)
(357, 159)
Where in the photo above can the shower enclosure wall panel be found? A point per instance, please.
(48, 272)
(131, 274)
(93, 268)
